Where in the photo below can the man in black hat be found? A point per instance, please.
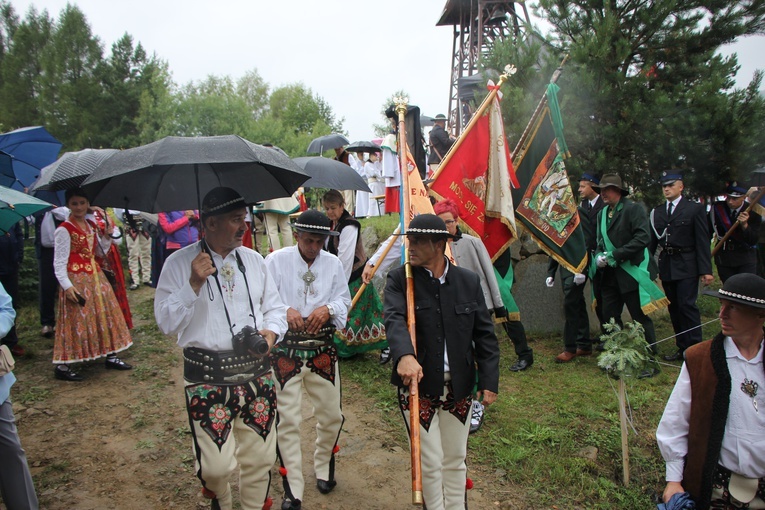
(679, 226)
(738, 253)
(711, 434)
(314, 288)
(454, 334)
(220, 301)
(440, 142)
(626, 269)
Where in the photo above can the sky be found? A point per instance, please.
(349, 52)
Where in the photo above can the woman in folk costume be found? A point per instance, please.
(374, 175)
(90, 324)
(364, 330)
(111, 263)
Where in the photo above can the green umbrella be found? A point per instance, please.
(15, 206)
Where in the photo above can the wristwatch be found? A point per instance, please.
(330, 310)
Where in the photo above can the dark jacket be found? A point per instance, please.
(589, 217)
(739, 248)
(453, 314)
(630, 235)
(686, 235)
(440, 142)
(11, 250)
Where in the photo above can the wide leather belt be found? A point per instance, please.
(221, 367)
(303, 340)
(675, 250)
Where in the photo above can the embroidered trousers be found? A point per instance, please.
(444, 429)
(139, 258)
(324, 391)
(231, 425)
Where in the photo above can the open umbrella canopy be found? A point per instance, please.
(15, 206)
(71, 169)
(329, 173)
(363, 146)
(32, 148)
(174, 173)
(326, 142)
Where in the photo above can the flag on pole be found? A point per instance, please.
(546, 206)
(477, 174)
(478, 177)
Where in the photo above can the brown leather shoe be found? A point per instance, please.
(583, 352)
(565, 357)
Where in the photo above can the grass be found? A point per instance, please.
(533, 445)
(537, 435)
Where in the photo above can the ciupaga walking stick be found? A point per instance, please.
(414, 396)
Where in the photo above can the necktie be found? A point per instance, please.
(670, 205)
(734, 215)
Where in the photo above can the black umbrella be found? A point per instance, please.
(174, 173)
(326, 142)
(363, 146)
(329, 173)
(71, 169)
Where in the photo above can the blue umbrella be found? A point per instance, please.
(31, 149)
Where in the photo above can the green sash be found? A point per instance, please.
(651, 296)
(505, 286)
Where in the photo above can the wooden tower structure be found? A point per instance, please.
(477, 25)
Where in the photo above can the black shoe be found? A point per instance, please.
(521, 364)
(599, 346)
(385, 356)
(67, 375)
(648, 373)
(324, 486)
(114, 363)
(291, 504)
(678, 356)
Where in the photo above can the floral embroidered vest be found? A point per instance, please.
(82, 252)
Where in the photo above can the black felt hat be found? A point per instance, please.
(314, 222)
(221, 200)
(744, 288)
(427, 225)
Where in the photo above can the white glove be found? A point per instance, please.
(550, 281)
(579, 278)
(602, 260)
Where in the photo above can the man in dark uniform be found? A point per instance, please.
(738, 253)
(440, 142)
(679, 226)
(622, 258)
(576, 331)
(454, 334)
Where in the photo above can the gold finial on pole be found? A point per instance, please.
(402, 102)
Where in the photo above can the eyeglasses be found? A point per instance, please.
(450, 222)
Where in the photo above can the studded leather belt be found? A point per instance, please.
(303, 340)
(221, 367)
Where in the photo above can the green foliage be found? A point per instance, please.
(626, 351)
(644, 88)
(54, 72)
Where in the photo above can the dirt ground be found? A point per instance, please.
(119, 440)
